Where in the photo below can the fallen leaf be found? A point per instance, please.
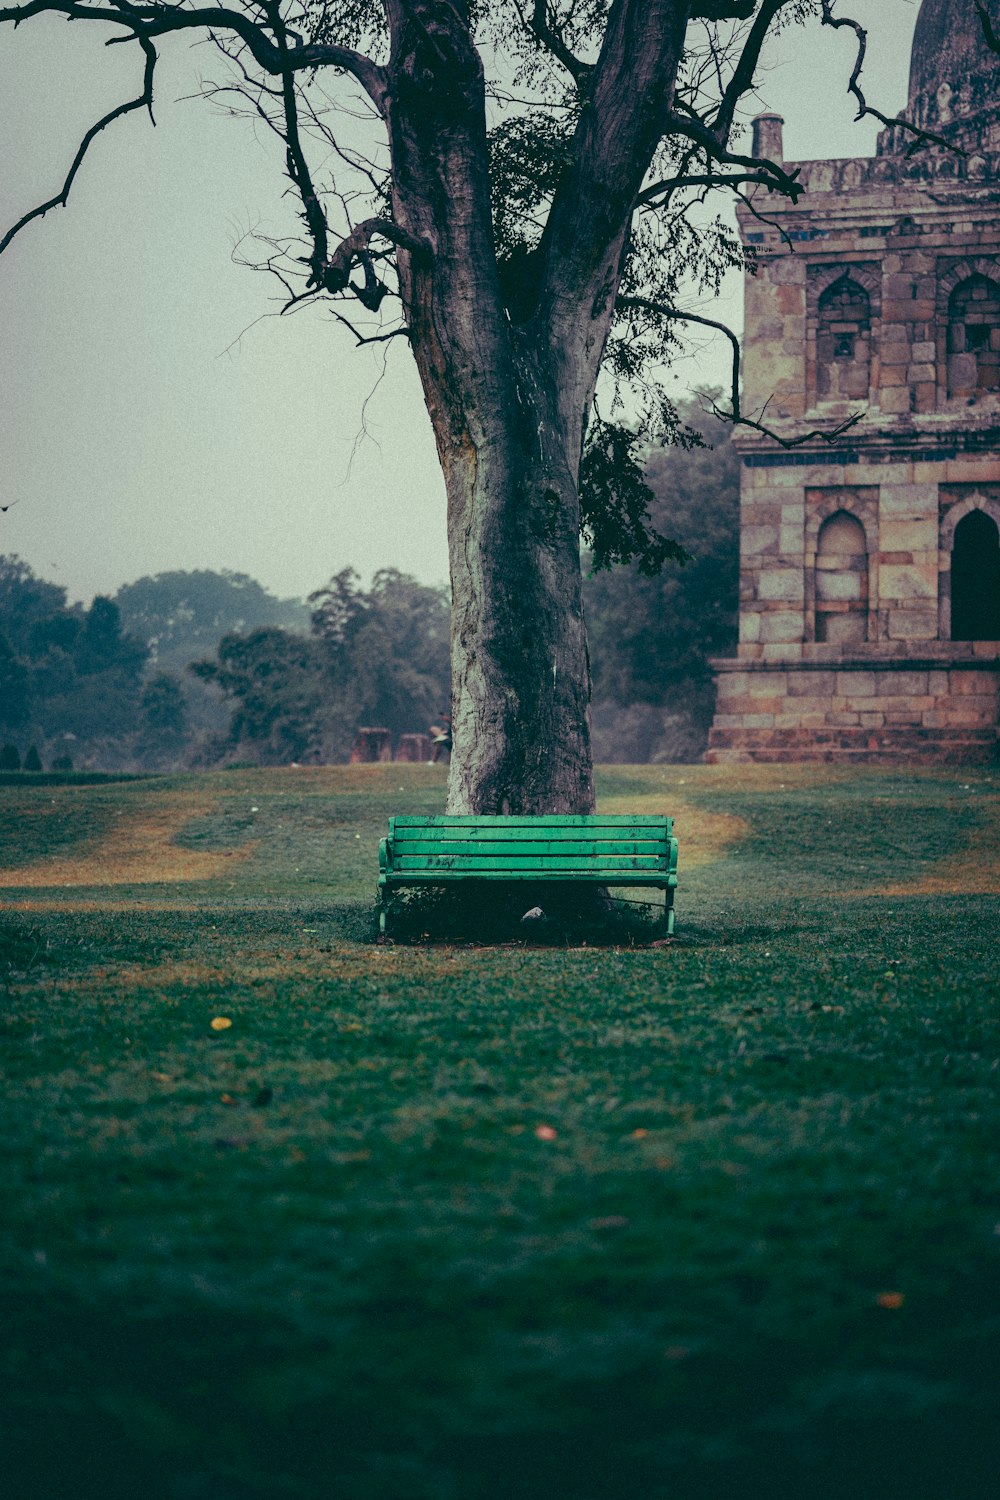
(221, 1023)
(545, 1132)
(891, 1300)
(640, 1134)
(610, 1221)
(226, 1099)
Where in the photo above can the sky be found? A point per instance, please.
(154, 416)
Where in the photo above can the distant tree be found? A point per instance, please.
(652, 638)
(15, 689)
(25, 601)
(10, 759)
(280, 686)
(103, 646)
(377, 656)
(62, 763)
(163, 722)
(33, 761)
(394, 646)
(182, 615)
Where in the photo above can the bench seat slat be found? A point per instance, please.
(403, 848)
(659, 878)
(519, 863)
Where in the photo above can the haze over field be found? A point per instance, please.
(140, 432)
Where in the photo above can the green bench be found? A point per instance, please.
(637, 850)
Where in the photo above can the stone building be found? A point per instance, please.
(870, 569)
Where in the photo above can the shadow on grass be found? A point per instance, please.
(544, 914)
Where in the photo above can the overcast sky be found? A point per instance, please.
(139, 431)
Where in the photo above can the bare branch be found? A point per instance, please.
(736, 415)
(776, 178)
(541, 25)
(854, 86)
(142, 101)
(334, 276)
(992, 40)
(159, 20)
(746, 69)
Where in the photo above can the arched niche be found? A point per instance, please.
(974, 336)
(975, 578)
(843, 341)
(841, 591)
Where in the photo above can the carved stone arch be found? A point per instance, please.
(959, 376)
(949, 522)
(861, 504)
(821, 278)
(840, 339)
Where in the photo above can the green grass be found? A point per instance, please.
(325, 1253)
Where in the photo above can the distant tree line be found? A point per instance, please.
(204, 668)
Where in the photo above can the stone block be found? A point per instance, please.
(792, 512)
(734, 682)
(758, 721)
(871, 720)
(811, 684)
(903, 716)
(790, 541)
(973, 682)
(781, 584)
(843, 720)
(780, 651)
(902, 684)
(904, 583)
(925, 354)
(921, 372)
(907, 501)
(911, 625)
(856, 684)
(781, 626)
(897, 535)
(895, 399)
(756, 540)
(749, 627)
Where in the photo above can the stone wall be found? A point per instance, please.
(875, 303)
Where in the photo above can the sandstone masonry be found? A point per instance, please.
(870, 567)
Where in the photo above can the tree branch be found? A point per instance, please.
(736, 416)
(159, 20)
(334, 276)
(854, 86)
(142, 101)
(992, 40)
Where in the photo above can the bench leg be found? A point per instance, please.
(668, 910)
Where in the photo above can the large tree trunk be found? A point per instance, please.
(508, 402)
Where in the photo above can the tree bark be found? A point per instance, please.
(508, 402)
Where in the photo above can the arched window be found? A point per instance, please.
(843, 342)
(974, 337)
(975, 579)
(841, 581)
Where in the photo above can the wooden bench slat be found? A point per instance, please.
(661, 879)
(537, 849)
(519, 864)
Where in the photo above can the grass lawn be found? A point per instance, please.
(691, 1222)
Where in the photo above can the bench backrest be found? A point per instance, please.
(637, 844)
